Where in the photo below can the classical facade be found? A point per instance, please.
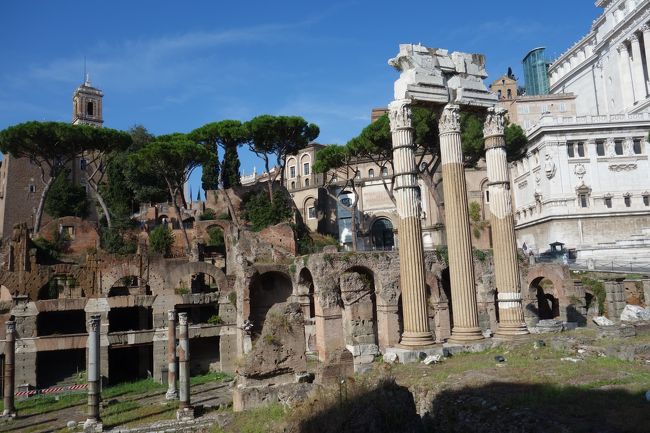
(584, 181)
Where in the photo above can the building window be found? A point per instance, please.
(91, 109)
(628, 200)
(608, 202)
(600, 148)
(646, 200)
(582, 198)
(306, 182)
(509, 93)
(67, 231)
(311, 213)
(487, 195)
(371, 173)
(293, 185)
(569, 150)
(357, 174)
(618, 147)
(636, 146)
(82, 164)
(384, 171)
(292, 171)
(581, 150)
(32, 188)
(305, 168)
(562, 107)
(499, 94)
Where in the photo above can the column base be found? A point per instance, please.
(93, 426)
(465, 335)
(509, 332)
(9, 414)
(171, 395)
(185, 414)
(417, 339)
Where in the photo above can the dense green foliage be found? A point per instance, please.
(261, 212)
(516, 141)
(161, 240)
(209, 214)
(65, 198)
(215, 237)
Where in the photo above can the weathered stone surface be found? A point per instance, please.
(549, 326)
(280, 349)
(250, 397)
(602, 321)
(623, 331)
(340, 364)
(390, 357)
(432, 359)
(634, 313)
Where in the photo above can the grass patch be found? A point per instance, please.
(261, 420)
(210, 377)
(140, 414)
(137, 387)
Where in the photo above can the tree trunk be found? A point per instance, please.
(180, 217)
(102, 204)
(268, 183)
(41, 204)
(354, 226)
(231, 207)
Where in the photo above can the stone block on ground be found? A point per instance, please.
(602, 321)
(390, 357)
(432, 359)
(339, 364)
(549, 326)
(407, 356)
(634, 313)
(246, 398)
(623, 331)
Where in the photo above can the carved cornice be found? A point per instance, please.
(449, 119)
(494, 122)
(399, 114)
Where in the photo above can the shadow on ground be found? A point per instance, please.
(496, 407)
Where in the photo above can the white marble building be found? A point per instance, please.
(585, 180)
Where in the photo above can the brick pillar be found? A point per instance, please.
(8, 374)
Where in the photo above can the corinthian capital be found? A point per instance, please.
(171, 315)
(399, 114)
(11, 326)
(449, 119)
(633, 38)
(93, 322)
(495, 122)
(182, 319)
(645, 28)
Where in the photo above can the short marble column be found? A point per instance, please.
(459, 243)
(645, 30)
(93, 423)
(411, 251)
(172, 393)
(638, 75)
(506, 264)
(185, 410)
(627, 91)
(9, 369)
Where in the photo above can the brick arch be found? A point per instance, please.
(555, 273)
(127, 269)
(179, 272)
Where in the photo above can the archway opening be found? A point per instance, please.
(306, 283)
(548, 305)
(60, 286)
(203, 283)
(127, 285)
(383, 237)
(267, 290)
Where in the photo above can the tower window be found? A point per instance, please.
(90, 109)
(32, 188)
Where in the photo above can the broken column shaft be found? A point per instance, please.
(411, 252)
(183, 363)
(459, 242)
(94, 375)
(506, 265)
(9, 369)
(171, 356)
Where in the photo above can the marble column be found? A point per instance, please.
(625, 79)
(171, 356)
(93, 422)
(506, 265)
(459, 242)
(184, 408)
(9, 369)
(411, 251)
(645, 30)
(638, 76)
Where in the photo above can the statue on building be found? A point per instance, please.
(549, 167)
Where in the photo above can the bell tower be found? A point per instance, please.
(87, 105)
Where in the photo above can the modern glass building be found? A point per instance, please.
(536, 73)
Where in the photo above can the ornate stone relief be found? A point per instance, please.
(549, 167)
(495, 121)
(399, 114)
(622, 167)
(610, 147)
(449, 119)
(538, 178)
(580, 170)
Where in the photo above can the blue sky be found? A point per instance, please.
(174, 66)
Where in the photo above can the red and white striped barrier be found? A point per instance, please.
(51, 390)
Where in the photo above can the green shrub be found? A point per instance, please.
(215, 319)
(475, 212)
(161, 240)
(209, 214)
(598, 289)
(215, 237)
(65, 198)
(260, 212)
(115, 241)
(442, 254)
(224, 216)
(232, 297)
